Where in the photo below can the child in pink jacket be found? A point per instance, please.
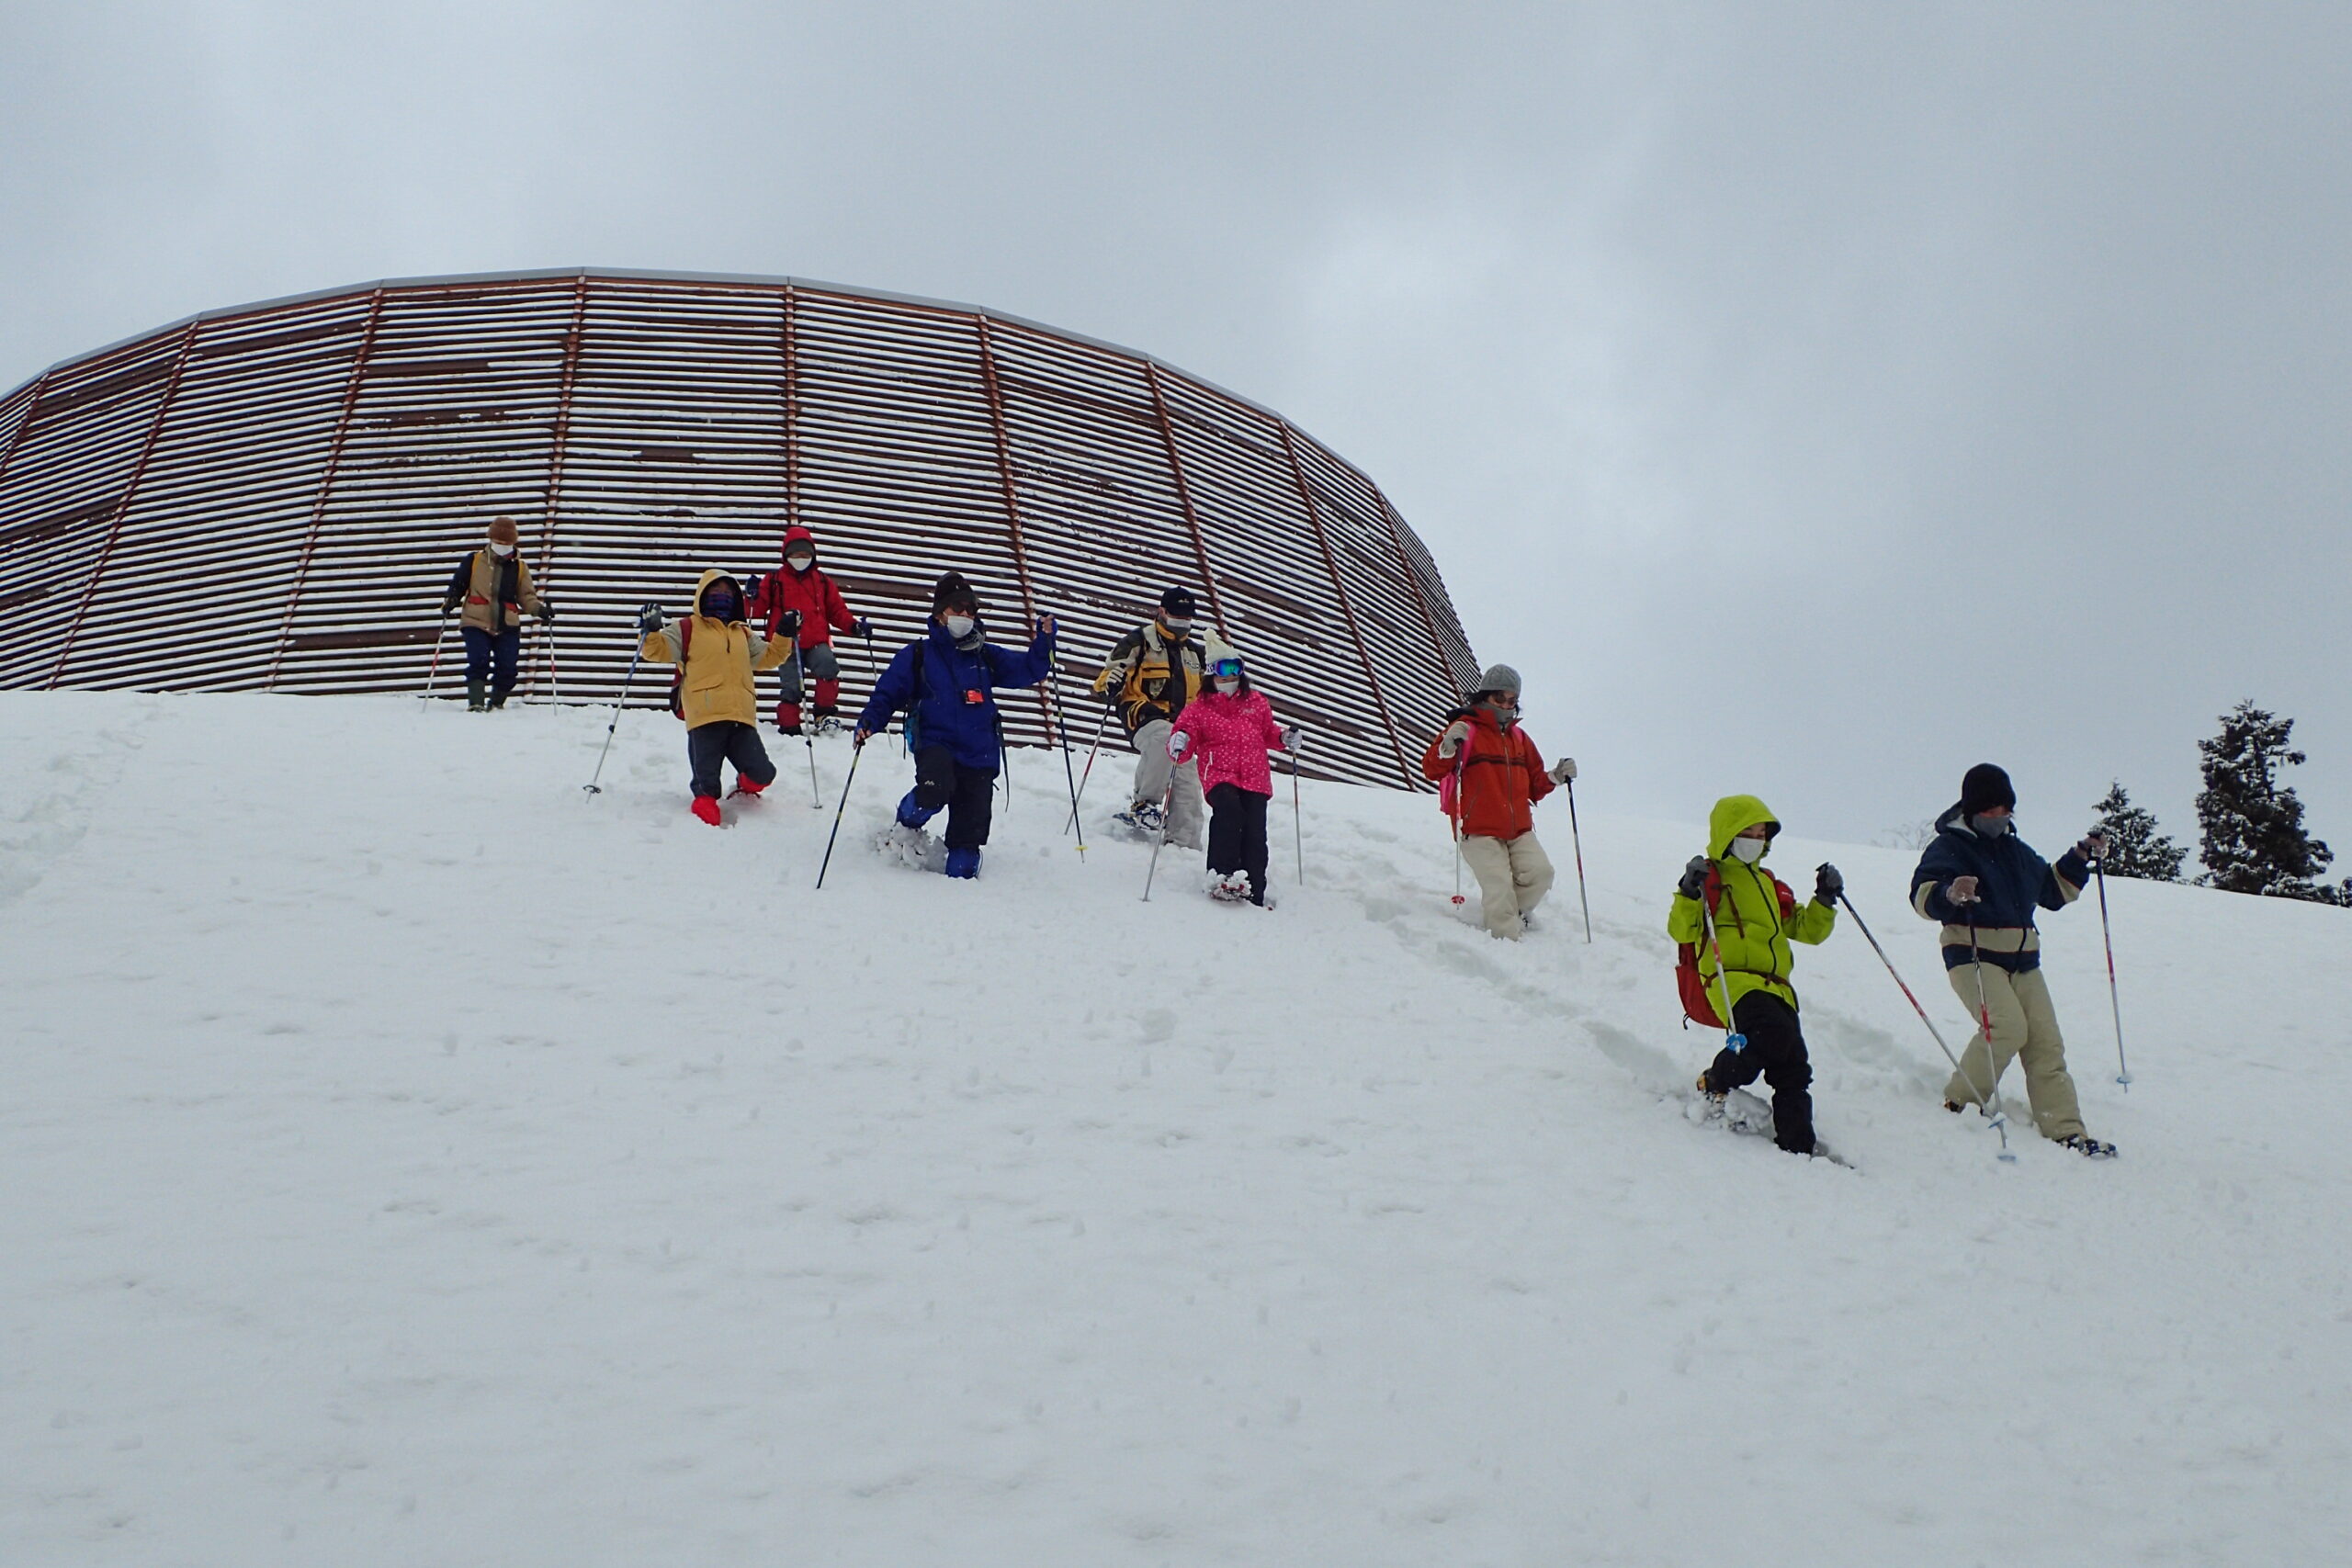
(1229, 727)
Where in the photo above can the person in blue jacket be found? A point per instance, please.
(1984, 883)
(947, 680)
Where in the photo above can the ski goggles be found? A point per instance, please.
(1227, 668)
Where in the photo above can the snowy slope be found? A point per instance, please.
(407, 1158)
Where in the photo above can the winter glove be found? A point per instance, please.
(1563, 769)
(1961, 890)
(1177, 741)
(1694, 878)
(1044, 625)
(1828, 885)
(448, 605)
(1291, 735)
(861, 628)
(649, 618)
(789, 624)
(2093, 847)
(1456, 734)
(545, 612)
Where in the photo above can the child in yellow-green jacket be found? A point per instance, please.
(1746, 959)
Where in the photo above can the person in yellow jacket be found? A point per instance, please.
(1747, 958)
(719, 654)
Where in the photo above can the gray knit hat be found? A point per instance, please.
(1500, 678)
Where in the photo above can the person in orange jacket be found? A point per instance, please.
(803, 587)
(1497, 776)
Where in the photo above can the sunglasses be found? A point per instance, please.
(1227, 668)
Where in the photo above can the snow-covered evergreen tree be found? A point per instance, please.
(2252, 825)
(2135, 848)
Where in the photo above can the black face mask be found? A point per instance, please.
(719, 606)
(1990, 827)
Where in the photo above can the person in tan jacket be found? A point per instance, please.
(718, 654)
(494, 588)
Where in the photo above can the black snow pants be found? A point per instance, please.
(1775, 1053)
(727, 740)
(969, 794)
(1237, 835)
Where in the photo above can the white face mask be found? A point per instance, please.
(501, 551)
(1177, 624)
(958, 627)
(1750, 850)
(800, 563)
(1229, 685)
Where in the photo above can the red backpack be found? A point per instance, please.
(1698, 997)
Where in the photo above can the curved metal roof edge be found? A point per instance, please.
(760, 279)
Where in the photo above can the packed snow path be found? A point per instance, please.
(407, 1158)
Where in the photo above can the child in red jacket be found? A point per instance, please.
(1228, 728)
(1497, 777)
(800, 586)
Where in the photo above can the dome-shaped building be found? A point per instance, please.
(271, 497)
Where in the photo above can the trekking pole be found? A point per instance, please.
(1297, 823)
(1577, 838)
(1100, 727)
(590, 785)
(1153, 870)
(855, 751)
(815, 800)
(1883, 958)
(1069, 774)
(2114, 1000)
(432, 673)
(1453, 819)
(1985, 1020)
(1733, 1041)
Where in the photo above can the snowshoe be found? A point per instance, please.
(1143, 820)
(746, 788)
(912, 848)
(2089, 1148)
(1228, 888)
(829, 723)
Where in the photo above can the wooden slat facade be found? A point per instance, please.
(271, 497)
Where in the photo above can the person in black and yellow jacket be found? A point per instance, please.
(1745, 958)
(718, 654)
(1151, 673)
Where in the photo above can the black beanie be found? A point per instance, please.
(1177, 601)
(952, 592)
(1985, 787)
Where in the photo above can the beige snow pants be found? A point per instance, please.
(1153, 775)
(2025, 1026)
(1513, 875)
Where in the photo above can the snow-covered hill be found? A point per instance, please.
(407, 1158)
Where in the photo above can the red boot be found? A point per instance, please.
(787, 718)
(707, 807)
(745, 787)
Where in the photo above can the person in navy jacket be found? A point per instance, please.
(1984, 883)
(948, 682)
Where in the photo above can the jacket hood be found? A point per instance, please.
(796, 535)
(715, 575)
(1734, 814)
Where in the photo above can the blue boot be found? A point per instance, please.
(963, 863)
(911, 814)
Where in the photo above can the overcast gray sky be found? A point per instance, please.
(1809, 399)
